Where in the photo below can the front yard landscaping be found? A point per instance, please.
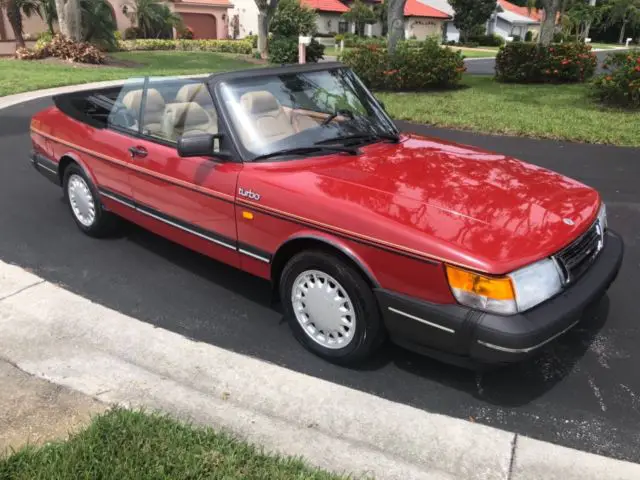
(543, 111)
(132, 445)
(20, 76)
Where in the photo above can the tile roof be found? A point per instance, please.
(534, 14)
(326, 5)
(415, 8)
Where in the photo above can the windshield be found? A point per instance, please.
(294, 111)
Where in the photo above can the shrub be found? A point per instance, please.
(65, 49)
(185, 33)
(339, 37)
(223, 46)
(43, 40)
(284, 50)
(516, 38)
(621, 85)
(531, 63)
(117, 35)
(528, 37)
(131, 33)
(492, 40)
(253, 39)
(411, 67)
(291, 19)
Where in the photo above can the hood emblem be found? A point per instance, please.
(568, 221)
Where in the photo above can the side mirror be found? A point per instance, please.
(200, 145)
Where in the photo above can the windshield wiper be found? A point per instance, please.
(304, 150)
(361, 136)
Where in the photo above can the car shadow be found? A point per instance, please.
(508, 386)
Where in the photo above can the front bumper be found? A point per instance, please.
(459, 334)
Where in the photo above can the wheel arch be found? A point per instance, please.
(67, 159)
(318, 241)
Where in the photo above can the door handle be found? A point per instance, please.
(140, 152)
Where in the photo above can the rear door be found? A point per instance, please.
(190, 200)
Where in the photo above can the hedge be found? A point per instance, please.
(413, 66)
(621, 85)
(557, 63)
(224, 46)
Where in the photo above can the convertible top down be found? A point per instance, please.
(297, 174)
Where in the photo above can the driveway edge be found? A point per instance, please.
(62, 337)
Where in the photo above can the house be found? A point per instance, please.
(207, 19)
(511, 20)
(329, 19)
(422, 21)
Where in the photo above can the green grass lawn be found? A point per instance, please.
(131, 445)
(606, 46)
(19, 76)
(543, 111)
(478, 54)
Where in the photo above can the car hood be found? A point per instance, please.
(456, 203)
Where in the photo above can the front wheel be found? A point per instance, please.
(330, 307)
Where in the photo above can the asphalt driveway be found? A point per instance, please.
(583, 391)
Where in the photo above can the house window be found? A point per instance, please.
(343, 27)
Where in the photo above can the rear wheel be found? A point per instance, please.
(330, 307)
(84, 203)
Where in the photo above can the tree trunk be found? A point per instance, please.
(588, 25)
(395, 22)
(263, 33)
(15, 20)
(549, 23)
(69, 19)
(622, 30)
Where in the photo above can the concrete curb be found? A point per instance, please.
(66, 339)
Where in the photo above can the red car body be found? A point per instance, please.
(400, 211)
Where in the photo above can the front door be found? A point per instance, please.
(189, 200)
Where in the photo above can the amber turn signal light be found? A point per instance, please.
(497, 288)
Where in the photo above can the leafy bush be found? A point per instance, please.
(292, 19)
(284, 50)
(99, 24)
(516, 38)
(531, 63)
(492, 40)
(528, 37)
(412, 67)
(131, 33)
(351, 40)
(65, 49)
(117, 35)
(185, 33)
(253, 39)
(43, 40)
(620, 86)
(338, 38)
(224, 46)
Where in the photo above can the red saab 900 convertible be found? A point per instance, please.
(296, 174)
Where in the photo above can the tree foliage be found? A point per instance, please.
(626, 13)
(360, 13)
(471, 13)
(15, 9)
(153, 19)
(292, 19)
(98, 24)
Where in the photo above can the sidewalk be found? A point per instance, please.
(34, 411)
(56, 335)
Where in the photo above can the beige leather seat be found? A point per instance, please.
(153, 110)
(184, 118)
(268, 118)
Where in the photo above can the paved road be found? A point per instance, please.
(486, 66)
(583, 391)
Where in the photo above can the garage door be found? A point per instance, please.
(202, 24)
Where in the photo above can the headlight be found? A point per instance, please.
(602, 217)
(517, 292)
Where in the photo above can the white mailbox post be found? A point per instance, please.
(302, 48)
(628, 41)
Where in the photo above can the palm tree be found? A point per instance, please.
(49, 13)
(153, 18)
(15, 10)
(626, 12)
(98, 23)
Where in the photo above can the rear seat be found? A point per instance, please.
(184, 118)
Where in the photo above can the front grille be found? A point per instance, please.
(577, 257)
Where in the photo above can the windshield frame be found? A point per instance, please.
(216, 82)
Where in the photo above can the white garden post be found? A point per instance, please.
(628, 41)
(302, 48)
(341, 45)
